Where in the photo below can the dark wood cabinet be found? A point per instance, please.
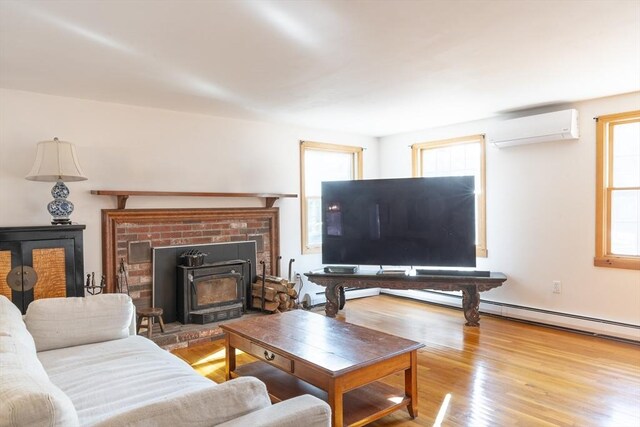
(41, 262)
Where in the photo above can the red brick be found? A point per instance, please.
(201, 240)
(138, 229)
(182, 227)
(192, 234)
(171, 235)
(171, 347)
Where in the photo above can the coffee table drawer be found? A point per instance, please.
(261, 353)
(271, 357)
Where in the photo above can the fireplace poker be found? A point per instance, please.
(122, 277)
(290, 263)
(278, 265)
(264, 277)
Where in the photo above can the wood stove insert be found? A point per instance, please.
(211, 292)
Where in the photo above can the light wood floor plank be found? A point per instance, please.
(504, 373)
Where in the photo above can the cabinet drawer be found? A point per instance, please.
(271, 357)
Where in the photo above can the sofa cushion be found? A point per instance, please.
(112, 377)
(27, 396)
(65, 322)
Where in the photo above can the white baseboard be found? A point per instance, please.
(319, 298)
(563, 320)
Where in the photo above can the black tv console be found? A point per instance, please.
(470, 286)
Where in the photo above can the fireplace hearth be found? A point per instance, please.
(211, 292)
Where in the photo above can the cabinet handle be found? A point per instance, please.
(25, 278)
(269, 356)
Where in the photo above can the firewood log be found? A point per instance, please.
(269, 292)
(284, 297)
(268, 305)
(292, 293)
(273, 279)
(279, 287)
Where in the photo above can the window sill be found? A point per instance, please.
(630, 263)
(306, 250)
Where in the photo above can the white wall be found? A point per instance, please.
(541, 217)
(540, 198)
(132, 148)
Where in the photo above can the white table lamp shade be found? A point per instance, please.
(56, 161)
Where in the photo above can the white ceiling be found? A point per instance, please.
(374, 67)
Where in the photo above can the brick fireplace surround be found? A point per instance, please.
(174, 227)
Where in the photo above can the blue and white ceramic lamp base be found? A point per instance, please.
(60, 208)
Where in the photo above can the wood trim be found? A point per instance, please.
(604, 180)
(601, 205)
(416, 160)
(112, 217)
(629, 263)
(481, 248)
(321, 146)
(416, 170)
(629, 116)
(123, 195)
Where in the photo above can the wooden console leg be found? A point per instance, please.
(332, 293)
(471, 305)
(411, 385)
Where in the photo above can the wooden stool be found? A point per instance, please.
(150, 314)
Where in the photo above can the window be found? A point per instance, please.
(322, 162)
(618, 191)
(456, 157)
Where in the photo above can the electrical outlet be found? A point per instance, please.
(557, 287)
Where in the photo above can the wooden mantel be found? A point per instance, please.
(122, 196)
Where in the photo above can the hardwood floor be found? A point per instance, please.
(504, 373)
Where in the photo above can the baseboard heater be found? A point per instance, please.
(577, 323)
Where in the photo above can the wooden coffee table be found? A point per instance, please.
(306, 353)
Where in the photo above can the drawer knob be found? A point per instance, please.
(269, 356)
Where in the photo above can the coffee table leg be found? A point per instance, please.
(230, 358)
(335, 402)
(411, 384)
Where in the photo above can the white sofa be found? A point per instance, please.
(78, 362)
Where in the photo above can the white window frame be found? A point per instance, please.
(417, 151)
(321, 146)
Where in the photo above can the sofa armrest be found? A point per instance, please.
(302, 410)
(208, 406)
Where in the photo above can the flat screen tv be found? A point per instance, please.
(404, 222)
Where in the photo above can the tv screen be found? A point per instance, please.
(408, 222)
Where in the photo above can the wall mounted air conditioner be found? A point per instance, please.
(555, 126)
